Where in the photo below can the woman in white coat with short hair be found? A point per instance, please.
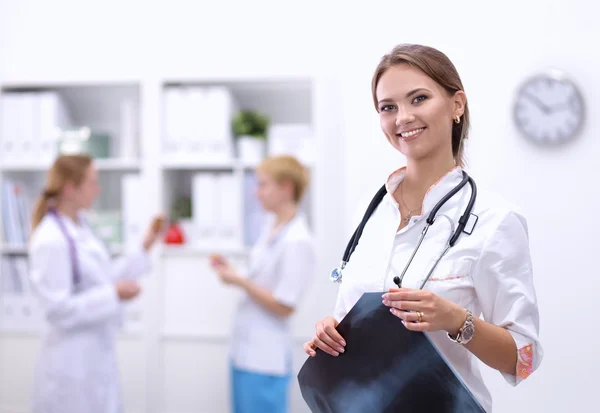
(282, 266)
(81, 291)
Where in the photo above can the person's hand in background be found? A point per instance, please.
(127, 289)
(154, 231)
(226, 272)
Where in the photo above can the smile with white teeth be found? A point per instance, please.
(411, 133)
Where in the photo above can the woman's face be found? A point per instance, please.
(87, 191)
(416, 113)
(271, 193)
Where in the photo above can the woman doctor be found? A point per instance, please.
(281, 267)
(480, 303)
(81, 291)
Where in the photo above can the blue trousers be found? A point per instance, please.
(258, 393)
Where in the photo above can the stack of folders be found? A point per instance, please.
(254, 215)
(198, 124)
(216, 210)
(16, 210)
(133, 194)
(31, 123)
(19, 310)
(294, 139)
(223, 215)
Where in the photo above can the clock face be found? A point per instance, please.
(549, 109)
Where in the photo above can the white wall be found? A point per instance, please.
(493, 48)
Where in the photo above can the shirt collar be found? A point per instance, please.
(435, 192)
(74, 230)
(298, 219)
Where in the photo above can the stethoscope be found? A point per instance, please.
(71, 242)
(336, 274)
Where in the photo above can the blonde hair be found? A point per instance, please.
(285, 168)
(440, 69)
(66, 168)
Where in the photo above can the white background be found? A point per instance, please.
(494, 46)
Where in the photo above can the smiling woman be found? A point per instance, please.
(425, 95)
(479, 303)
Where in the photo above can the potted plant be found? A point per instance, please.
(181, 221)
(250, 129)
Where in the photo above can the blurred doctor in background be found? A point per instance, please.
(281, 268)
(82, 291)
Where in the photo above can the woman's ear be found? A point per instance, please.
(288, 186)
(68, 189)
(460, 102)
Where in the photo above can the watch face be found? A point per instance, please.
(467, 333)
(549, 109)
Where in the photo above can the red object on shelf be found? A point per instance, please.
(174, 234)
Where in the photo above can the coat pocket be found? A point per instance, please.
(59, 393)
(451, 270)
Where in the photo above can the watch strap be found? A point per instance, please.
(459, 337)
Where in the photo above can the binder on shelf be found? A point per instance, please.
(133, 222)
(229, 213)
(385, 368)
(254, 214)
(31, 125)
(16, 208)
(19, 309)
(198, 124)
(128, 130)
(10, 130)
(204, 209)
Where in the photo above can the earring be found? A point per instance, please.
(457, 119)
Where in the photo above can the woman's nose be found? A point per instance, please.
(404, 117)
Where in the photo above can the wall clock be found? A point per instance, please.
(549, 108)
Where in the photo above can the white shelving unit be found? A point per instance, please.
(185, 313)
(30, 116)
(123, 165)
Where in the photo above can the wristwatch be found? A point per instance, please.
(466, 332)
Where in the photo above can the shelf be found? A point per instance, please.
(200, 337)
(125, 165)
(186, 336)
(22, 249)
(6, 332)
(201, 251)
(176, 165)
(13, 249)
(115, 164)
(173, 165)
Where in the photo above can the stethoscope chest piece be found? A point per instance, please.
(336, 273)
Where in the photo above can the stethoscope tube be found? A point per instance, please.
(336, 274)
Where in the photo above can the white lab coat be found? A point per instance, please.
(261, 340)
(488, 272)
(77, 367)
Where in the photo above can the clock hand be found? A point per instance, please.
(538, 102)
(564, 105)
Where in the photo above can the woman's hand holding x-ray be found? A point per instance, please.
(326, 338)
(437, 313)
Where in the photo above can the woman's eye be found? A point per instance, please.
(386, 108)
(419, 99)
